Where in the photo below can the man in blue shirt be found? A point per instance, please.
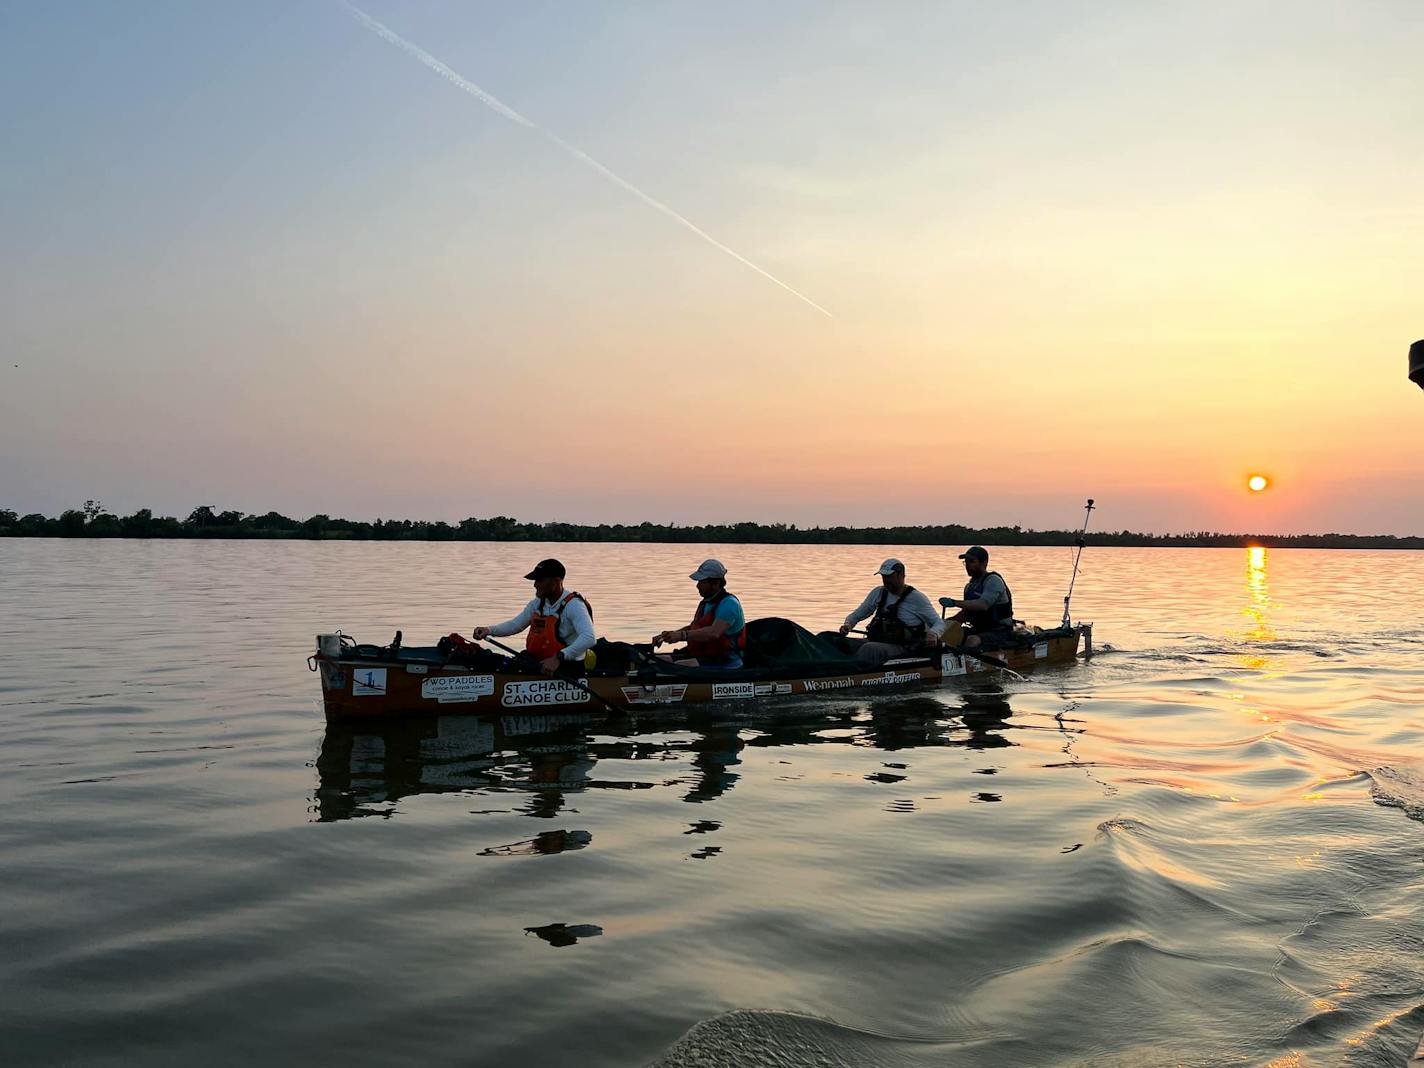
(717, 635)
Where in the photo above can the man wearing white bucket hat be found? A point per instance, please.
(717, 635)
(902, 620)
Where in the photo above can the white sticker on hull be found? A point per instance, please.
(890, 678)
(734, 691)
(951, 664)
(1040, 651)
(456, 689)
(654, 695)
(368, 682)
(542, 692)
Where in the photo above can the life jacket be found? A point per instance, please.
(887, 626)
(999, 615)
(543, 638)
(728, 644)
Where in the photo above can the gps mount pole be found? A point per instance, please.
(1076, 557)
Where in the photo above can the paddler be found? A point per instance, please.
(717, 635)
(902, 620)
(559, 622)
(987, 608)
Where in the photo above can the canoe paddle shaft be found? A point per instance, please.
(962, 651)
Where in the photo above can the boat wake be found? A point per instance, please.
(751, 1038)
(1398, 788)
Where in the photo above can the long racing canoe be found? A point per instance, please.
(394, 680)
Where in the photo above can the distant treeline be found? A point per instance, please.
(92, 521)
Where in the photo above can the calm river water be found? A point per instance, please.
(1202, 847)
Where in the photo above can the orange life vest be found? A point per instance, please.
(715, 648)
(543, 637)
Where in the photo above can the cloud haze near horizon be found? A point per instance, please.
(256, 257)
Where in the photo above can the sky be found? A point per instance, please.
(842, 263)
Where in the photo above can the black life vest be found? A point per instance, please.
(887, 626)
(999, 615)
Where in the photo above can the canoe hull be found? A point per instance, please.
(373, 687)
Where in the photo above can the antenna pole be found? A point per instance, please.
(1076, 557)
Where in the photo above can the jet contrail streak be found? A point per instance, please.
(495, 104)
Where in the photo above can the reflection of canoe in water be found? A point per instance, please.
(363, 680)
(539, 761)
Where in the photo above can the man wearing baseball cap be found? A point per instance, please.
(560, 624)
(987, 607)
(717, 636)
(902, 620)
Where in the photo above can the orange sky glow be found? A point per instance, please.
(1125, 254)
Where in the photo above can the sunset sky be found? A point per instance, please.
(255, 255)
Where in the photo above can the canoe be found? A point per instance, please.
(362, 681)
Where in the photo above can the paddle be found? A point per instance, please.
(961, 650)
(572, 682)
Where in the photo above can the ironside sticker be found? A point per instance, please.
(455, 689)
(734, 691)
(542, 692)
(368, 682)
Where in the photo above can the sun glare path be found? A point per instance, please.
(1256, 483)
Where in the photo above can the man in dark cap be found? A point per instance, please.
(560, 624)
(987, 608)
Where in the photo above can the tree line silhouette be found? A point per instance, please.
(205, 521)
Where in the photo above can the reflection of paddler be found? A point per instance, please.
(560, 623)
(902, 620)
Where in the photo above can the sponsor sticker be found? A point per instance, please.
(1040, 651)
(542, 692)
(733, 691)
(951, 664)
(890, 678)
(669, 694)
(368, 682)
(455, 689)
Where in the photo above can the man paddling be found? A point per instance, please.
(560, 623)
(987, 608)
(902, 620)
(717, 635)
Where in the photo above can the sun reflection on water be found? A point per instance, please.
(1258, 605)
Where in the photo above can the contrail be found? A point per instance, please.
(495, 104)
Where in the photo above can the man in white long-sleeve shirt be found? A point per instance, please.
(902, 620)
(560, 624)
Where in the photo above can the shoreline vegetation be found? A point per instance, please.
(92, 521)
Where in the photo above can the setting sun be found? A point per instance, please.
(1256, 483)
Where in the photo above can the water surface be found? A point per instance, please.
(1200, 848)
